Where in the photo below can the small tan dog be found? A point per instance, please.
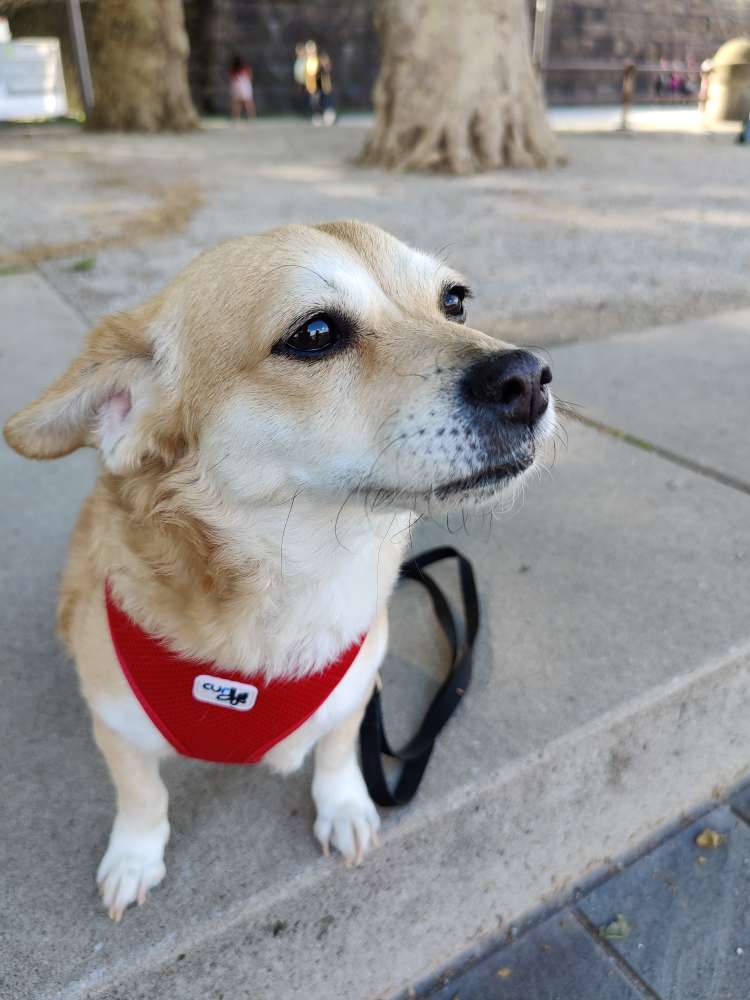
(269, 426)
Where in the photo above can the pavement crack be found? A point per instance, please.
(628, 972)
(667, 454)
(64, 295)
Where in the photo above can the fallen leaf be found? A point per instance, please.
(710, 838)
(617, 930)
(505, 972)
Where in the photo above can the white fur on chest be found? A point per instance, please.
(315, 596)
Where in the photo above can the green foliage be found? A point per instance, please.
(84, 264)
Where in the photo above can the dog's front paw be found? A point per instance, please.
(347, 818)
(133, 864)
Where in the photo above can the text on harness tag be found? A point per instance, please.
(225, 694)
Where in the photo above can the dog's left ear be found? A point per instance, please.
(107, 399)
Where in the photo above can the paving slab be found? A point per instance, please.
(683, 388)
(687, 907)
(557, 960)
(741, 802)
(39, 334)
(608, 243)
(615, 648)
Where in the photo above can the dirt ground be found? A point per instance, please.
(636, 230)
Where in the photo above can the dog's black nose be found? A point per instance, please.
(513, 382)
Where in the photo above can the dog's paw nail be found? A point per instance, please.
(351, 828)
(127, 872)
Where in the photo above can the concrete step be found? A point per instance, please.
(610, 695)
(684, 936)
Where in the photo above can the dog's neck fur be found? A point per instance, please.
(280, 587)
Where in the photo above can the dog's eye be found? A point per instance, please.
(453, 302)
(315, 336)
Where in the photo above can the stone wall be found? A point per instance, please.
(646, 32)
(610, 31)
(595, 31)
(599, 33)
(264, 32)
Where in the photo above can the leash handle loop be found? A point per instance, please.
(461, 637)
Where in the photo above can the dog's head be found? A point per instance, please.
(328, 358)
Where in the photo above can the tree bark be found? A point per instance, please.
(457, 90)
(139, 51)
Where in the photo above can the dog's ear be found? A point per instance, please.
(105, 399)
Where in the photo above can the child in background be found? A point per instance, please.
(241, 89)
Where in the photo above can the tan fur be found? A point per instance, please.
(217, 517)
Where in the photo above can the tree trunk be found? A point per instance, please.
(139, 51)
(457, 90)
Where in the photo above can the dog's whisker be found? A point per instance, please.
(382, 424)
(218, 463)
(463, 518)
(561, 433)
(366, 477)
(380, 549)
(304, 267)
(421, 375)
(283, 532)
(442, 253)
(564, 407)
(541, 350)
(349, 495)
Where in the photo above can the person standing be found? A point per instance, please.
(325, 88)
(312, 70)
(298, 69)
(628, 88)
(707, 68)
(241, 89)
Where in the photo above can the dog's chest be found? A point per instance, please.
(303, 621)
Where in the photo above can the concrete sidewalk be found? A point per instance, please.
(635, 231)
(672, 925)
(611, 696)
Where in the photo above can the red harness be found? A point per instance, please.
(210, 713)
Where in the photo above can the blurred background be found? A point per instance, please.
(581, 45)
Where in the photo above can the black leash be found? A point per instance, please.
(415, 756)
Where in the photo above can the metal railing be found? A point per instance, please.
(638, 84)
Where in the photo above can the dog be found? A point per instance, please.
(269, 426)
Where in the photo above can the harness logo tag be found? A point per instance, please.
(225, 694)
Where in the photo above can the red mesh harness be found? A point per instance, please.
(210, 713)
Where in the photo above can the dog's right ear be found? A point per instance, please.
(98, 401)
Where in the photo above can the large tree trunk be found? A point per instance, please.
(457, 90)
(139, 51)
